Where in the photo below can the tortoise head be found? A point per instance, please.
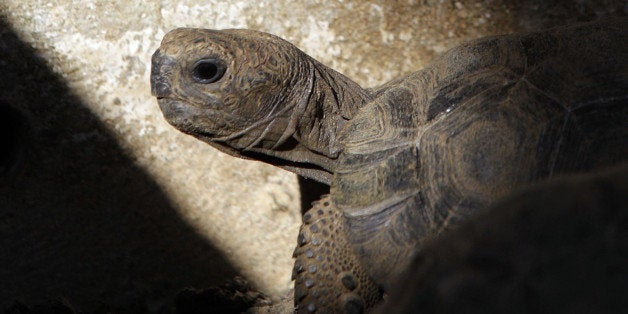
(232, 86)
(254, 95)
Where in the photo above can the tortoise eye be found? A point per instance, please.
(208, 71)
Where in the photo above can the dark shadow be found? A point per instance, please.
(534, 15)
(311, 191)
(78, 220)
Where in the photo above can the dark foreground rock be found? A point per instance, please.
(559, 247)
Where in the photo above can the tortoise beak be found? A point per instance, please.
(160, 72)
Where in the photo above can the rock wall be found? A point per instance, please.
(106, 205)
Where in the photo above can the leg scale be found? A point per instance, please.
(328, 277)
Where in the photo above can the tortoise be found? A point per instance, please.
(409, 159)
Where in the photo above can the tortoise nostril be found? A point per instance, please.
(161, 69)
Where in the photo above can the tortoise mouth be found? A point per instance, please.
(160, 86)
(192, 119)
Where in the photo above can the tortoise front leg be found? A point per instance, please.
(327, 274)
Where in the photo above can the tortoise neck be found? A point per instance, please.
(332, 100)
(317, 105)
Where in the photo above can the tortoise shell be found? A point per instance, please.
(487, 118)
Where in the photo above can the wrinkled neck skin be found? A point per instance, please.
(333, 99)
(318, 104)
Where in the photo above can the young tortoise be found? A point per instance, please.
(410, 158)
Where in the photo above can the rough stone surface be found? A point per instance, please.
(107, 204)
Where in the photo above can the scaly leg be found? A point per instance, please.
(328, 277)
